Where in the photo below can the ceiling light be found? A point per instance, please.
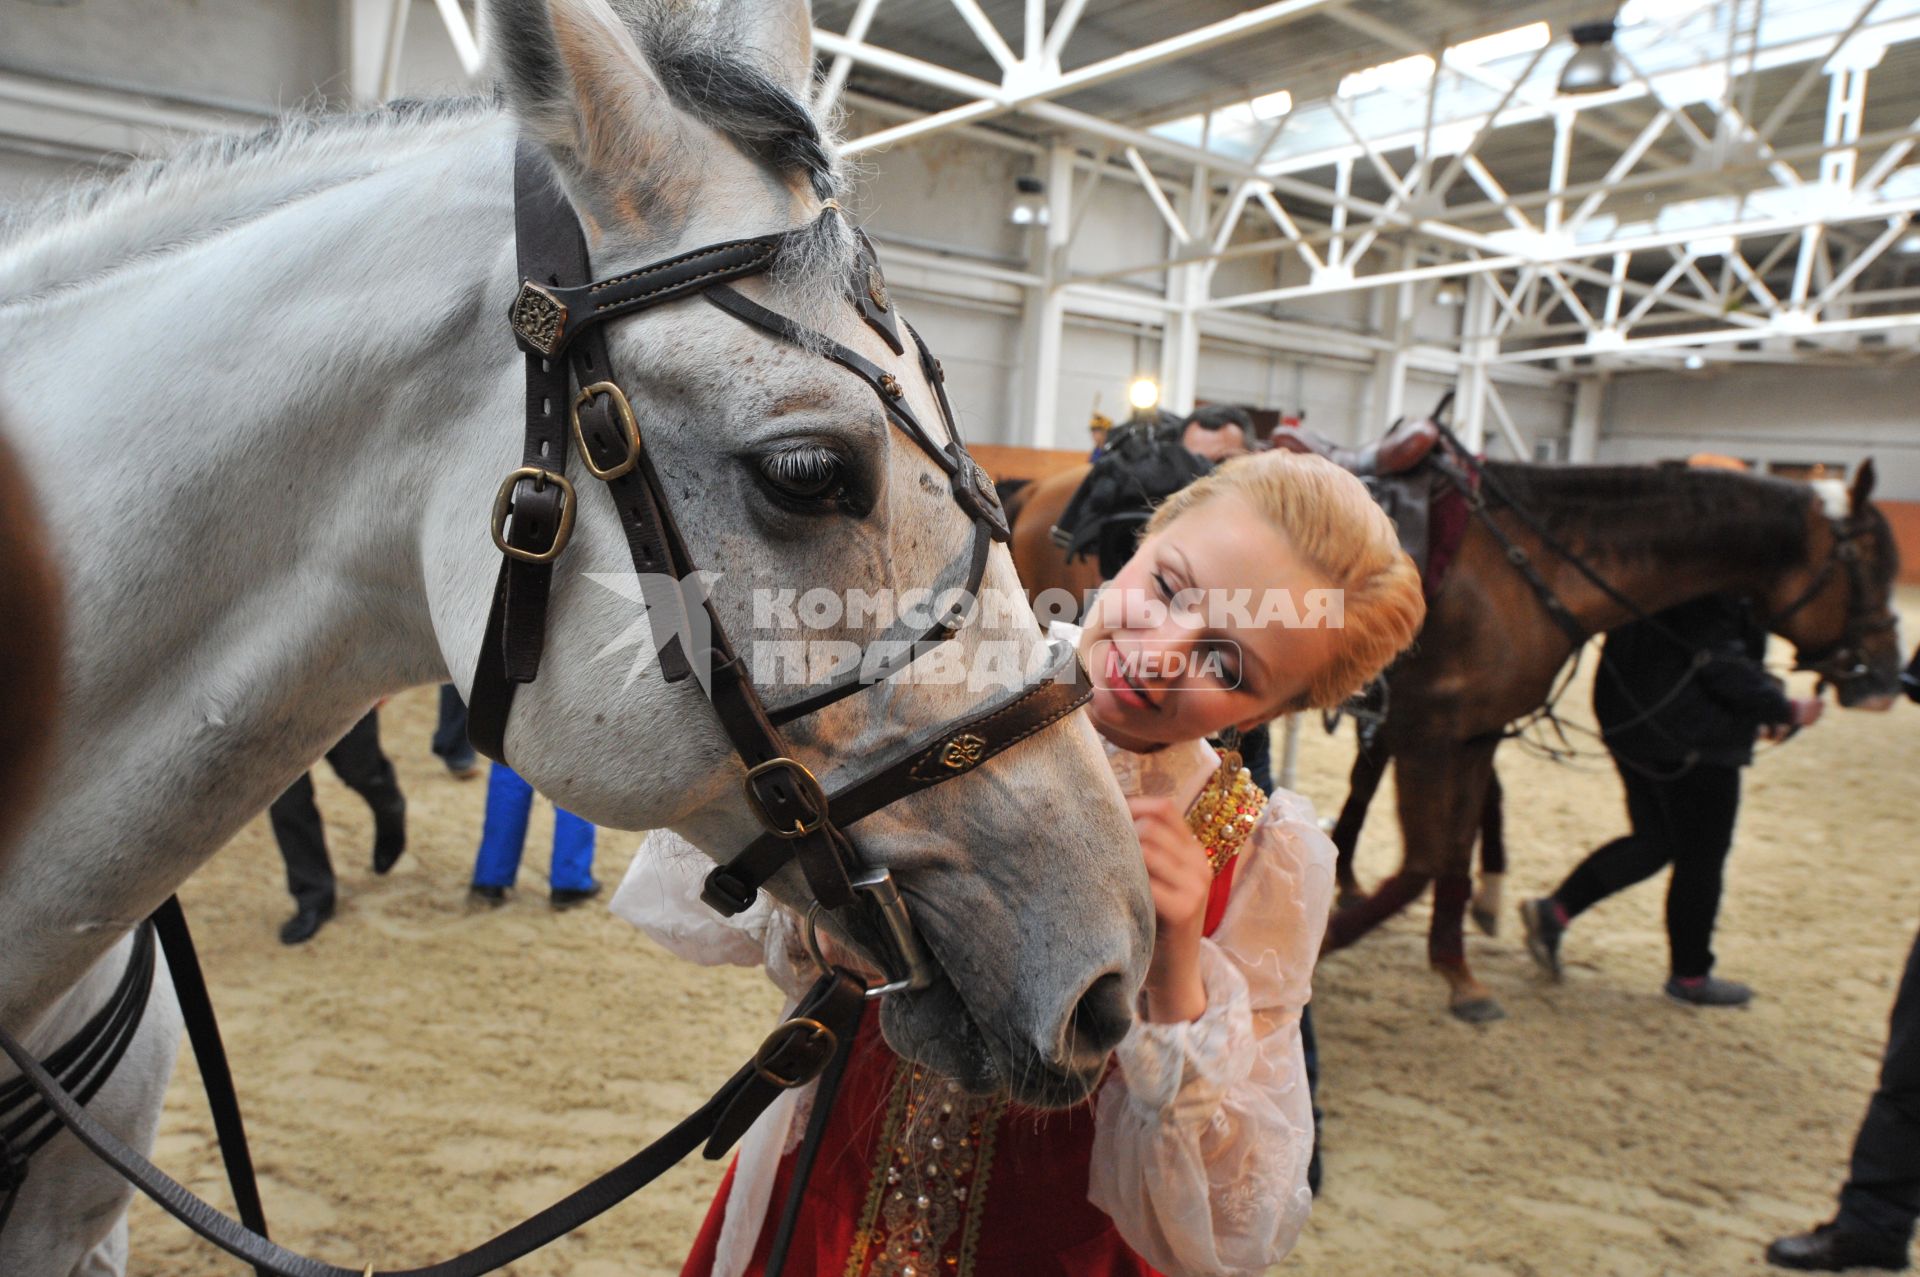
(1696, 362)
(1594, 66)
(1144, 394)
(1909, 244)
(1449, 294)
(1030, 207)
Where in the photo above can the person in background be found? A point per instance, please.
(359, 763)
(1680, 697)
(450, 743)
(1881, 1198)
(1099, 428)
(1217, 432)
(503, 837)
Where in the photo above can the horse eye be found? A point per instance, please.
(808, 473)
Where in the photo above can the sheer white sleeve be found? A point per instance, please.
(1203, 1136)
(661, 896)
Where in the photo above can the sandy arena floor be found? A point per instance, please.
(422, 1074)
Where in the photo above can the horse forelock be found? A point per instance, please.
(209, 185)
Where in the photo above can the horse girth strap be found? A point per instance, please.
(793, 1055)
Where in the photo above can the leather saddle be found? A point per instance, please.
(1401, 449)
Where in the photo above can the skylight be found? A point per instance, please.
(1402, 73)
(1264, 109)
(1501, 44)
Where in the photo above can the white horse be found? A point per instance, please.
(272, 392)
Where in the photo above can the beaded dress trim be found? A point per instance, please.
(922, 1215)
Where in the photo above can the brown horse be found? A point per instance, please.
(1032, 511)
(1490, 649)
(29, 648)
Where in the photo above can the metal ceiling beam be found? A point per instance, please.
(1032, 81)
(1814, 331)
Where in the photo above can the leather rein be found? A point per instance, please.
(558, 320)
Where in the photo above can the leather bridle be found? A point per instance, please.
(558, 320)
(1843, 661)
(560, 325)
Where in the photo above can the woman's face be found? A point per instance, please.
(1214, 622)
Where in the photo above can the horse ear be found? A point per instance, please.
(577, 82)
(778, 34)
(1862, 486)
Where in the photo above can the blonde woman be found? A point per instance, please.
(1274, 584)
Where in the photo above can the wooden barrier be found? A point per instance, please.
(1905, 518)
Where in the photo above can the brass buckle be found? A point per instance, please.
(624, 411)
(503, 505)
(804, 781)
(781, 1038)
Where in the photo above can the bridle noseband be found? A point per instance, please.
(559, 323)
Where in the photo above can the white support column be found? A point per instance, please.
(1186, 289)
(371, 32)
(1046, 313)
(1589, 399)
(1478, 347)
(1387, 396)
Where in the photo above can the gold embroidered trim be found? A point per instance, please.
(876, 1186)
(928, 1183)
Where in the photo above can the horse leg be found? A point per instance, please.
(1493, 860)
(1447, 951)
(109, 1258)
(70, 1217)
(1369, 765)
(1442, 795)
(1355, 919)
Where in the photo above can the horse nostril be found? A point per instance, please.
(1101, 1017)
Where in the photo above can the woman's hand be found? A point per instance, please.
(1181, 879)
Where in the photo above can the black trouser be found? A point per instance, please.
(1882, 1195)
(450, 743)
(360, 765)
(1686, 822)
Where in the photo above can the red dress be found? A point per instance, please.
(915, 1180)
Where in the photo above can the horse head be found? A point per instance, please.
(674, 127)
(1838, 611)
(29, 647)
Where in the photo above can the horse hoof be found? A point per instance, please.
(1488, 920)
(1478, 1011)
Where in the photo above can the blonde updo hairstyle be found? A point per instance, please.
(1326, 515)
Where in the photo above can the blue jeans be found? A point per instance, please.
(504, 836)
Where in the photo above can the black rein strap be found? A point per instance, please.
(794, 1054)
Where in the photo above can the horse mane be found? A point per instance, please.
(1655, 512)
(708, 68)
(210, 185)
